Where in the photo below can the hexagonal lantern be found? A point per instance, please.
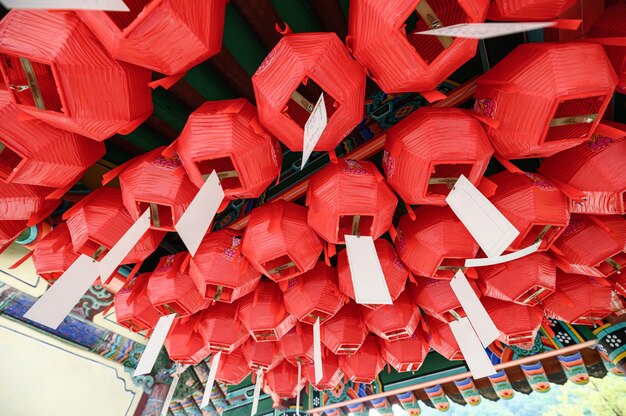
(183, 342)
(611, 24)
(393, 322)
(297, 344)
(53, 254)
(291, 79)
(441, 339)
(9, 231)
(166, 36)
(406, 354)
(226, 136)
(383, 38)
(279, 242)
(133, 308)
(25, 202)
(349, 197)
(261, 355)
(528, 10)
(437, 299)
(220, 329)
(518, 324)
(232, 368)
(562, 101)
(54, 69)
(218, 269)
(424, 156)
(332, 373)
(364, 365)
(435, 244)
(283, 381)
(345, 332)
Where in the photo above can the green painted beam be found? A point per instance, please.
(168, 109)
(115, 154)
(241, 41)
(145, 139)
(345, 7)
(208, 83)
(298, 14)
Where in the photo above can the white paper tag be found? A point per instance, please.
(111, 5)
(317, 352)
(489, 261)
(57, 302)
(491, 230)
(314, 128)
(150, 354)
(485, 30)
(473, 352)
(196, 220)
(479, 318)
(298, 394)
(172, 389)
(215, 362)
(257, 392)
(368, 280)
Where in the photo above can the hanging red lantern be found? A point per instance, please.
(297, 344)
(528, 10)
(220, 329)
(405, 354)
(279, 242)
(283, 381)
(619, 283)
(261, 355)
(300, 68)
(218, 269)
(542, 100)
(345, 332)
(332, 373)
(441, 339)
(518, 324)
(399, 59)
(395, 272)
(54, 70)
(613, 24)
(183, 342)
(424, 157)
(232, 368)
(350, 197)
(25, 202)
(53, 254)
(133, 308)
(364, 365)
(435, 244)
(437, 299)
(393, 322)
(9, 231)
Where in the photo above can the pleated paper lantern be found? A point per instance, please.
(263, 314)
(437, 299)
(232, 368)
(53, 254)
(226, 136)
(279, 242)
(393, 322)
(313, 295)
(261, 355)
(218, 269)
(543, 100)
(441, 339)
(364, 365)
(9, 231)
(220, 329)
(332, 373)
(25, 202)
(54, 69)
(350, 197)
(534, 205)
(424, 156)
(613, 24)
(528, 10)
(518, 324)
(405, 354)
(435, 244)
(297, 344)
(283, 380)
(166, 36)
(183, 342)
(526, 281)
(290, 80)
(596, 169)
(133, 308)
(383, 39)
(345, 332)
(171, 289)
(395, 272)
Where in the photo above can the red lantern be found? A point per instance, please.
(350, 197)
(613, 24)
(396, 57)
(364, 365)
(332, 374)
(9, 231)
(133, 308)
(25, 202)
(218, 269)
(543, 101)
(619, 283)
(279, 242)
(435, 244)
(290, 80)
(183, 343)
(437, 299)
(518, 324)
(261, 355)
(220, 329)
(166, 36)
(232, 368)
(297, 344)
(63, 67)
(53, 254)
(405, 354)
(283, 380)
(345, 332)
(441, 339)
(424, 156)
(393, 322)
(528, 10)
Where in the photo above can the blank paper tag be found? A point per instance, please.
(317, 352)
(489, 261)
(257, 392)
(491, 230)
(172, 389)
(57, 302)
(196, 220)
(215, 362)
(473, 352)
(368, 280)
(486, 30)
(298, 394)
(314, 128)
(150, 354)
(475, 311)
(111, 5)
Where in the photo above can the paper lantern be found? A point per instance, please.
(263, 314)
(383, 39)
(518, 324)
(349, 197)
(9, 231)
(171, 289)
(393, 322)
(613, 24)
(283, 380)
(232, 368)
(53, 254)
(261, 355)
(437, 299)
(435, 244)
(526, 281)
(220, 329)
(218, 269)
(25, 202)
(405, 354)
(279, 242)
(364, 365)
(543, 100)
(291, 79)
(183, 342)
(54, 69)
(528, 10)
(297, 344)
(424, 156)
(441, 339)
(166, 36)
(313, 295)
(332, 373)
(133, 308)
(226, 136)
(345, 332)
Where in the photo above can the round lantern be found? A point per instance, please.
(9, 231)
(435, 244)
(166, 36)
(218, 269)
(345, 332)
(437, 299)
(543, 100)
(384, 39)
(133, 308)
(226, 136)
(424, 156)
(441, 339)
(528, 10)
(54, 69)
(405, 354)
(364, 365)
(393, 269)
(263, 314)
(613, 24)
(350, 197)
(393, 322)
(279, 242)
(220, 329)
(25, 202)
(313, 295)
(53, 254)
(332, 373)
(297, 344)
(232, 368)
(283, 381)
(289, 82)
(261, 355)
(518, 324)
(183, 342)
